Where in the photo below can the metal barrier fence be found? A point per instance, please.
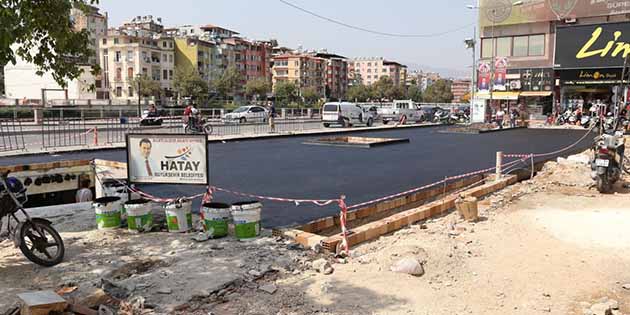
(57, 131)
(12, 135)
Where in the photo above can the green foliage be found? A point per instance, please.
(257, 88)
(359, 93)
(188, 83)
(439, 92)
(396, 93)
(381, 89)
(147, 86)
(310, 95)
(414, 93)
(229, 82)
(285, 92)
(40, 32)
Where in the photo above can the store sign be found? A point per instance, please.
(533, 79)
(484, 77)
(592, 46)
(503, 12)
(590, 76)
(167, 159)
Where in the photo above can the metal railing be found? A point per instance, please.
(12, 135)
(57, 131)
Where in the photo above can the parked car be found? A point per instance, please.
(245, 114)
(401, 109)
(345, 114)
(371, 111)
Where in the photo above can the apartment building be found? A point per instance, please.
(202, 55)
(125, 56)
(21, 80)
(336, 75)
(369, 70)
(459, 88)
(305, 70)
(251, 58)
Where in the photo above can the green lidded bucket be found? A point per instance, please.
(139, 217)
(107, 211)
(179, 216)
(216, 217)
(246, 216)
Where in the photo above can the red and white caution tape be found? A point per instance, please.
(554, 152)
(297, 202)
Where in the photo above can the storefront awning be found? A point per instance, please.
(509, 96)
(536, 93)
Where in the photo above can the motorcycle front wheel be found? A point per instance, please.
(207, 129)
(41, 243)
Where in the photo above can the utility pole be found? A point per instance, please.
(139, 106)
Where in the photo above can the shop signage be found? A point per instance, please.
(592, 46)
(590, 76)
(533, 79)
(167, 159)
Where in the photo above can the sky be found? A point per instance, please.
(265, 19)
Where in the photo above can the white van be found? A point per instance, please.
(344, 114)
(399, 109)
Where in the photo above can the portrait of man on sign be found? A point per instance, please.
(145, 165)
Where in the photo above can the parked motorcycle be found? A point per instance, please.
(442, 116)
(607, 162)
(150, 119)
(35, 237)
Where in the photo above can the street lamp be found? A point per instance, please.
(492, 10)
(470, 44)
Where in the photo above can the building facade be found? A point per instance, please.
(336, 75)
(305, 70)
(459, 88)
(369, 70)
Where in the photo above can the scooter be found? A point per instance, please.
(442, 116)
(607, 162)
(150, 119)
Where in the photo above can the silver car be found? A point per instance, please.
(247, 114)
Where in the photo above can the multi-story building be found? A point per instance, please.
(369, 70)
(305, 70)
(23, 81)
(198, 54)
(145, 23)
(124, 57)
(427, 79)
(252, 58)
(336, 75)
(459, 88)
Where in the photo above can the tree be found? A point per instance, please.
(382, 88)
(41, 32)
(310, 95)
(465, 98)
(188, 83)
(147, 86)
(359, 93)
(257, 88)
(227, 84)
(285, 92)
(439, 92)
(414, 93)
(396, 93)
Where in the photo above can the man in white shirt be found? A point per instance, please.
(145, 166)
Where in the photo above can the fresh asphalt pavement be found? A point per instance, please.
(285, 167)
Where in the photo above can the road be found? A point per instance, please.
(285, 167)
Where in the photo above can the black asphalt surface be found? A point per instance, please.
(284, 167)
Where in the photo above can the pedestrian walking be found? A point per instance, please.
(513, 117)
(272, 116)
(500, 117)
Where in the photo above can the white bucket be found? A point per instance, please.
(139, 217)
(107, 211)
(118, 189)
(216, 217)
(179, 216)
(246, 216)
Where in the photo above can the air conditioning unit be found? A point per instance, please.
(570, 21)
(515, 85)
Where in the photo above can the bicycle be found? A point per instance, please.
(35, 237)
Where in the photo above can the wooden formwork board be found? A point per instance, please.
(44, 166)
(397, 221)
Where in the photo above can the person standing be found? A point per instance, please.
(500, 117)
(513, 117)
(272, 116)
(84, 194)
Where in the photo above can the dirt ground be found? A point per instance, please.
(551, 245)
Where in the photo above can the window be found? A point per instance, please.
(104, 41)
(369, 71)
(170, 44)
(117, 56)
(369, 64)
(165, 74)
(118, 91)
(537, 45)
(170, 73)
(170, 58)
(118, 74)
(130, 92)
(130, 73)
(520, 46)
(164, 57)
(384, 69)
(164, 44)
(130, 55)
(486, 48)
(144, 71)
(115, 40)
(144, 56)
(504, 46)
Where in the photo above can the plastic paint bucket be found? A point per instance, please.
(139, 217)
(107, 211)
(216, 217)
(246, 216)
(179, 216)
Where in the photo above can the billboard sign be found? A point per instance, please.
(167, 159)
(592, 46)
(500, 73)
(503, 12)
(483, 77)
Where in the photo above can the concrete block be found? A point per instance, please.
(41, 303)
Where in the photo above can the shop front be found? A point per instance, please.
(535, 87)
(589, 64)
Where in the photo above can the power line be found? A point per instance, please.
(358, 28)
